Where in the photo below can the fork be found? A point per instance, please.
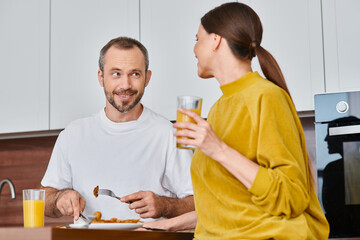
(108, 192)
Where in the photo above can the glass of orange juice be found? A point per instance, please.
(191, 103)
(33, 207)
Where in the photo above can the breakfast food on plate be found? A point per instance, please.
(97, 215)
(96, 191)
(115, 220)
(112, 220)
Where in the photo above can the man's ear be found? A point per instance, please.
(148, 76)
(101, 77)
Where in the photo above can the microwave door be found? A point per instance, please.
(351, 156)
(340, 190)
(351, 160)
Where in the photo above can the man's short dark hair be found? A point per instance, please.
(123, 43)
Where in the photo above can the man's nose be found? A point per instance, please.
(125, 82)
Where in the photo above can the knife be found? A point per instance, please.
(85, 219)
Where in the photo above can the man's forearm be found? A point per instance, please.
(177, 206)
(51, 196)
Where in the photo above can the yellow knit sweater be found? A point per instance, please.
(258, 119)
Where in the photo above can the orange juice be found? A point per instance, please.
(184, 118)
(33, 213)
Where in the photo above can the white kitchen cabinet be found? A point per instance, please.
(79, 29)
(24, 65)
(168, 29)
(292, 33)
(341, 44)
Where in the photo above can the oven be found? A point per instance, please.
(337, 130)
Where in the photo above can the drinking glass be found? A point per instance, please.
(191, 103)
(33, 207)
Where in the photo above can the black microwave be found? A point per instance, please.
(337, 130)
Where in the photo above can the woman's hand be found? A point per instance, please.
(186, 221)
(200, 135)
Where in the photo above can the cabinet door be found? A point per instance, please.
(24, 65)
(293, 35)
(79, 29)
(341, 20)
(168, 29)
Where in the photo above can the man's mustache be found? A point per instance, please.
(125, 92)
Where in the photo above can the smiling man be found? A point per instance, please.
(125, 147)
(124, 78)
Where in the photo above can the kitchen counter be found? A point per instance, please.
(53, 233)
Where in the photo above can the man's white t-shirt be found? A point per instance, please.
(124, 157)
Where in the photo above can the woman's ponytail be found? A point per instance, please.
(271, 68)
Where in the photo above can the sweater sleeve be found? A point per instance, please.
(280, 187)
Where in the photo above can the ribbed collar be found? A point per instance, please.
(240, 84)
(114, 127)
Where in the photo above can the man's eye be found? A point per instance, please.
(116, 74)
(135, 74)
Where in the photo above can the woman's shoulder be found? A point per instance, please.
(266, 96)
(264, 89)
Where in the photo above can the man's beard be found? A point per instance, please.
(125, 106)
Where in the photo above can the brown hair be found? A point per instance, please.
(241, 27)
(123, 43)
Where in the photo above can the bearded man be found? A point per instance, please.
(125, 147)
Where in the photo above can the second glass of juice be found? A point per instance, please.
(191, 103)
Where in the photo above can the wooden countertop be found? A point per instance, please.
(18, 233)
(52, 233)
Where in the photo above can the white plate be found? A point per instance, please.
(78, 225)
(124, 226)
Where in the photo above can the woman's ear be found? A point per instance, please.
(216, 41)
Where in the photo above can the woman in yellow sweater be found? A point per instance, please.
(251, 173)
